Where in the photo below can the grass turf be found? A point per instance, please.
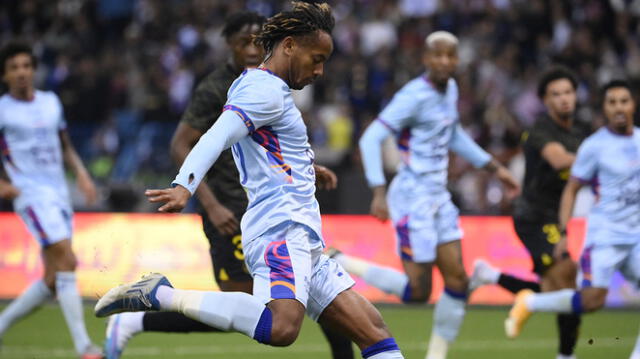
(608, 334)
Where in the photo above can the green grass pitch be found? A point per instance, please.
(608, 334)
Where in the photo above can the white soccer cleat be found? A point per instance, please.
(92, 352)
(119, 331)
(483, 274)
(135, 297)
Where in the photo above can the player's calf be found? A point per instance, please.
(593, 299)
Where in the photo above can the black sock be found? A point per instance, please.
(514, 285)
(568, 325)
(172, 322)
(340, 345)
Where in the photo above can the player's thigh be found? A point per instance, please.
(356, 317)
(227, 258)
(449, 262)
(598, 264)
(539, 239)
(48, 222)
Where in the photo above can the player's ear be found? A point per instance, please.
(288, 43)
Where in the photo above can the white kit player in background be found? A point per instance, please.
(33, 146)
(424, 118)
(609, 160)
(282, 238)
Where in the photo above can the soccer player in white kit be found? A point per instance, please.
(281, 228)
(33, 145)
(423, 116)
(610, 160)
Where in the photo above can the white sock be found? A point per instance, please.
(636, 350)
(26, 303)
(447, 317)
(558, 301)
(71, 304)
(235, 311)
(393, 354)
(562, 356)
(389, 280)
(133, 321)
(438, 347)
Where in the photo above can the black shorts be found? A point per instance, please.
(540, 239)
(226, 254)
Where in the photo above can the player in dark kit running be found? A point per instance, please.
(549, 148)
(222, 199)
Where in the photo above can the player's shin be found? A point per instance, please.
(226, 311)
(28, 301)
(386, 279)
(448, 316)
(71, 304)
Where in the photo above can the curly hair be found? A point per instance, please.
(12, 49)
(555, 72)
(303, 19)
(237, 21)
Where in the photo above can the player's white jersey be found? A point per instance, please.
(426, 124)
(611, 162)
(275, 160)
(30, 147)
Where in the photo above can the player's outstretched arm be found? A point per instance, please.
(567, 202)
(182, 143)
(371, 152)
(71, 158)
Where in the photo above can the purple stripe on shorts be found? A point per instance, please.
(36, 223)
(585, 266)
(402, 230)
(283, 281)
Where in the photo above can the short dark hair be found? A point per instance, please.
(237, 21)
(613, 84)
(12, 49)
(303, 19)
(556, 72)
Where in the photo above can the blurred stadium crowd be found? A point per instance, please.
(125, 69)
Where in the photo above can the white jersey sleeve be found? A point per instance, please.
(585, 165)
(256, 103)
(401, 111)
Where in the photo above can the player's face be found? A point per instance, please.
(245, 53)
(619, 108)
(308, 55)
(19, 72)
(560, 98)
(441, 58)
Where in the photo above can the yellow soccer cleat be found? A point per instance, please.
(518, 315)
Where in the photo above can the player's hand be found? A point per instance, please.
(174, 199)
(223, 219)
(8, 191)
(325, 178)
(511, 185)
(88, 189)
(379, 208)
(560, 250)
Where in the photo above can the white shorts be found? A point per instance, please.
(286, 262)
(598, 263)
(422, 221)
(49, 222)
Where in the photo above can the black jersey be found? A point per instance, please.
(203, 110)
(543, 185)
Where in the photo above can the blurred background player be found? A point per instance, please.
(611, 158)
(423, 116)
(281, 237)
(33, 144)
(222, 199)
(549, 149)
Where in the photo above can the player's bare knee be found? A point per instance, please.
(458, 282)
(592, 301)
(419, 294)
(284, 334)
